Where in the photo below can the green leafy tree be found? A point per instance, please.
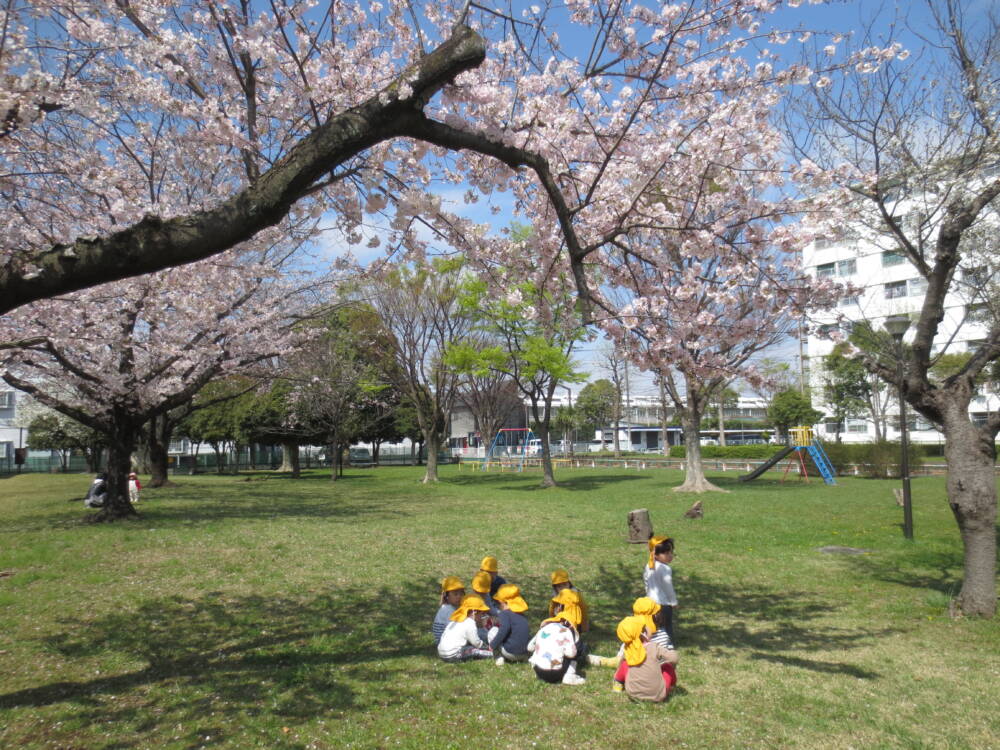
(789, 409)
(596, 404)
(51, 431)
(846, 387)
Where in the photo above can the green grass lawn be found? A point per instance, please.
(295, 614)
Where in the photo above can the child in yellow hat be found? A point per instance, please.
(649, 610)
(555, 647)
(560, 581)
(510, 640)
(489, 565)
(452, 592)
(659, 579)
(650, 667)
(460, 640)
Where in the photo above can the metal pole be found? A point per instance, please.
(905, 448)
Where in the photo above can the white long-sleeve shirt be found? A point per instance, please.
(660, 584)
(457, 635)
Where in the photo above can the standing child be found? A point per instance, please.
(452, 593)
(555, 647)
(133, 488)
(510, 641)
(460, 640)
(659, 580)
(650, 667)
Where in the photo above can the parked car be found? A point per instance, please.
(596, 446)
(534, 448)
(359, 457)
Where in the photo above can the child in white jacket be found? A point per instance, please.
(460, 640)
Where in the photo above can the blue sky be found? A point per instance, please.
(888, 22)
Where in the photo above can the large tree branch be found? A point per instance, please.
(516, 158)
(155, 243)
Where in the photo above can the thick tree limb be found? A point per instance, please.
(154, 243)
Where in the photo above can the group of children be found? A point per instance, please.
(490, 623)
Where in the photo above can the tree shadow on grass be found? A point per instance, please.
(202, 503)
(923, 569)
(780, 626)
(215, 657)
(520, 482)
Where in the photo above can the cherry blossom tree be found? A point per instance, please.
(140, 135)
(117, 355)
(912, 151)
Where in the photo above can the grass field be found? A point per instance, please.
(295, 614)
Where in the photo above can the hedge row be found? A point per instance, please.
(728, 451)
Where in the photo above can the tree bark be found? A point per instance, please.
(158, 434)
(431, 439)
(694, 475)
(722, 423)
(121, 444)
(548, 477)
(334, 458)
(972, 495)
(290, 459)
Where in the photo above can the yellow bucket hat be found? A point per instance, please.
(481, 582)
(489, 564)
(653, 542)
(469, 603)
(511, 594)
(571, 611)
(451, 583)
(646, 608)
(559, 576)
(630, 633)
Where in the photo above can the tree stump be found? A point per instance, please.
(898, 492)
(640, 528)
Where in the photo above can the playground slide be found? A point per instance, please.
(767, 464)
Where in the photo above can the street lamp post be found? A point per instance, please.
(896, 326)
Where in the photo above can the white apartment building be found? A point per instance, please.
(890, 286)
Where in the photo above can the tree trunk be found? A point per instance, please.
(548, 478)
(121, 444)
(722, 425)
(376, 450)
(332, 450)
(971, 455)
(158, 440)
(694, 477)
(431, 440)
(290, 459)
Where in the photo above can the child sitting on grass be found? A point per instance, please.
(452, 592)
(649, 667)
(650, 611)
(510, 641)
(555, 647)
(489, 565)
(460, 640)
(560, 581)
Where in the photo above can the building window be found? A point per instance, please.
(826, 270)
(858, 426)
(6, 399)
(917, 287)
(978, 313)
(979, 418)
(847, 267)
(895, 289)
(833, 427)
(848, 301)
(892, 258)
